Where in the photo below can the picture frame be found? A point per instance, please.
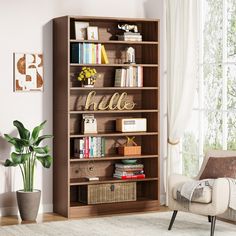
(92, 32)
(81, 30)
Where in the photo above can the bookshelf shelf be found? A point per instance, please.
(115, 111)
(69, 97)
(115, 157)
(115, 42)
(113, 88)
(113, 65)
(114, 134)
(81, 181)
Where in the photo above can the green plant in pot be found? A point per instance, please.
(27, 152)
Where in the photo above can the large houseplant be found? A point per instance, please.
(27, 151)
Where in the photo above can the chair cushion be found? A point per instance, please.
(206, 196)
(219, 167)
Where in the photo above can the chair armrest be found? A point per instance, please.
(220, 195)
(176, 180)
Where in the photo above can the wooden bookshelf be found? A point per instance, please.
(69, 172)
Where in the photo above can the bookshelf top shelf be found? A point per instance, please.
(114, 42)
(104, 180)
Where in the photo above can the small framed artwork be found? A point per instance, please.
(92, 32)
(28, 72)
(81, 30)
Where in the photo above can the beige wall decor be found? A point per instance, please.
(28, 72)
(116, 102)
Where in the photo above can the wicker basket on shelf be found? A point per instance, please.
(129, 148)
(107, 193)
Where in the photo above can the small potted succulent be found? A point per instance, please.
(27, 151)
(87, 77)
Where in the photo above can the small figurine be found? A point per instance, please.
(128, 28)
(130, 55)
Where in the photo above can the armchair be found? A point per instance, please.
(211, 203)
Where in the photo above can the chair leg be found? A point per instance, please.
(213, 224)
(209, 219)
(172, 219)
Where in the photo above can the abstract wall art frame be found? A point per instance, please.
(28, 72)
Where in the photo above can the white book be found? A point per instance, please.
(95, 154)
(99, 146)
(99, 53)
(140, 76)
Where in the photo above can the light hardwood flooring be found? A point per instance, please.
(46, 217)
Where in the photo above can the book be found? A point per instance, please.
(104, 58)
(141, 176)
(128, 166)
(128, 173)
(120, 77)
(99, 53)
(74, 53)
(129, 169)
(86, 147)
(103, 147)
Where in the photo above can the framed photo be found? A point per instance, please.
(81, 30)
(92, 32)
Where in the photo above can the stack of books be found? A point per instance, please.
(130, 36)
(129, 77)
(88, 53)
(129, 171)
(89, 147)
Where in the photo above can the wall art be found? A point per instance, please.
(28, 70)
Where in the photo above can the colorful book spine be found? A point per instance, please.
(74, 53)
(141, 176)
(103, 147)
(86, 147)
(104, 57)
(81, 148)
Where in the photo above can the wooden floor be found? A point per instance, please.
(46, 217)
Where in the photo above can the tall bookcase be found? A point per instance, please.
(68, 98)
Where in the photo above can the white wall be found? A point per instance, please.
(26, 26)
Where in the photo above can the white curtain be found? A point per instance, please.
(181, 48)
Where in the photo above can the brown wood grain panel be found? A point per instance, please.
(60, 118)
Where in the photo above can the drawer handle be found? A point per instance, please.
(112, 187)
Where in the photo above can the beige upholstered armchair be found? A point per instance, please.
(212, 202)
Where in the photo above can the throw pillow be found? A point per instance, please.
(219, 167)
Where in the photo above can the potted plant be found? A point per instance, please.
(27, 151)
(87, 76)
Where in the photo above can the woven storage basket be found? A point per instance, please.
(129, 148)
(107, 193)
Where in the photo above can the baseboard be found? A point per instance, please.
(10, 211)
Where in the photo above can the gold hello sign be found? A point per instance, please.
(116, 102)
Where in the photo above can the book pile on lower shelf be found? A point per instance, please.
(88, 53)
(89, 147)
(129, 77)
(129, 171)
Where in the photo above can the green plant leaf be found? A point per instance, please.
(19, 158)
(17, 143)
(46, 160)
(36, 130)
(41, 138)
(9, 163)
(41, 150)
(23, 132)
